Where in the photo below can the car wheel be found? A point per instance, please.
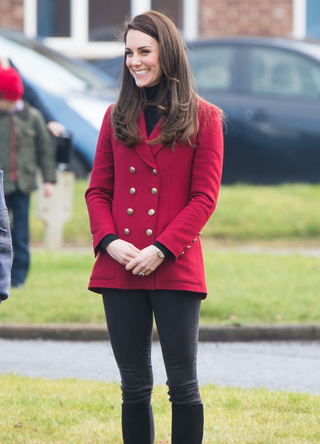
(79, 166)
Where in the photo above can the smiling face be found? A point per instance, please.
(143, 58)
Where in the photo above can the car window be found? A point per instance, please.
(212, 67)
(281, 73)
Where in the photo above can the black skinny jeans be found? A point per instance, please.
(129, 317)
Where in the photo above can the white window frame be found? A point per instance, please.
(30, 18)
(78, 44)
(190, 19)
(299, 19)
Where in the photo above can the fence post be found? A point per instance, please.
(55, 210)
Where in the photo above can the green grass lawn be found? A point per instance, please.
(259, 288)
(40, 411)
(254, 213)
(286, 213)
(242, 288)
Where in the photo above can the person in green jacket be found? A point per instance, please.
(25, 145)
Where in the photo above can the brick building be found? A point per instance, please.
(86, 27)
(246, 17)
(12, 13)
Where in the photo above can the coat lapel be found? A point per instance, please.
(156, 133)
(145, 151)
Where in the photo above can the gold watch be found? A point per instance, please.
(159, 252)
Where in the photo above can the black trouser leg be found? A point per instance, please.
(178, 331)
(130, 320)
(187, 424)
(177, 317)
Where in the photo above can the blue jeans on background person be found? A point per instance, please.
(18, 205)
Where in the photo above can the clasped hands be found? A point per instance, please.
(139, 261)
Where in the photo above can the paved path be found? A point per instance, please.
(275, 365)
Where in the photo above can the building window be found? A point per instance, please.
(53, 18)
(306, 19)
(87, 28)
(313, 18)
(106, 20)
(173, 9)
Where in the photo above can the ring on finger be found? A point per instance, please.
(141, 274)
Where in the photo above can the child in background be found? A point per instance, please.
(25, 145)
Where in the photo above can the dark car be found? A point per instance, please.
(269, 90)
(76, 93)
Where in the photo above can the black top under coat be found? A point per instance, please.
(152, 113)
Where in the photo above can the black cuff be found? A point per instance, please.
(107, 240)
(164, 249)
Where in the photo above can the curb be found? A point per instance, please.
(223, 333)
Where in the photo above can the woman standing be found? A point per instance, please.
(154, 185)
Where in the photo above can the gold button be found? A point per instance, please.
(132, 170)
(149, 232)
(130, 211)
(188, 246)
(182, 252)
(200, 232)
(154, 190)
(151, 212)
(155, 172)
(126, 231)
(132, 191)
(194, 240)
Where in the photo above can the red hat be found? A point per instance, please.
(11, 86)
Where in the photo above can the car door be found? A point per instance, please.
(281, 122)
(218, 72)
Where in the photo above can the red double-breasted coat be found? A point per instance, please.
(149, 193)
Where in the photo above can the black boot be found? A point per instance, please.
(187, 423)
(137, 423)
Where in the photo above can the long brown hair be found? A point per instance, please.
(177, 100)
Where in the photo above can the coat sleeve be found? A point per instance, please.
(205, 183)
(99, 195)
